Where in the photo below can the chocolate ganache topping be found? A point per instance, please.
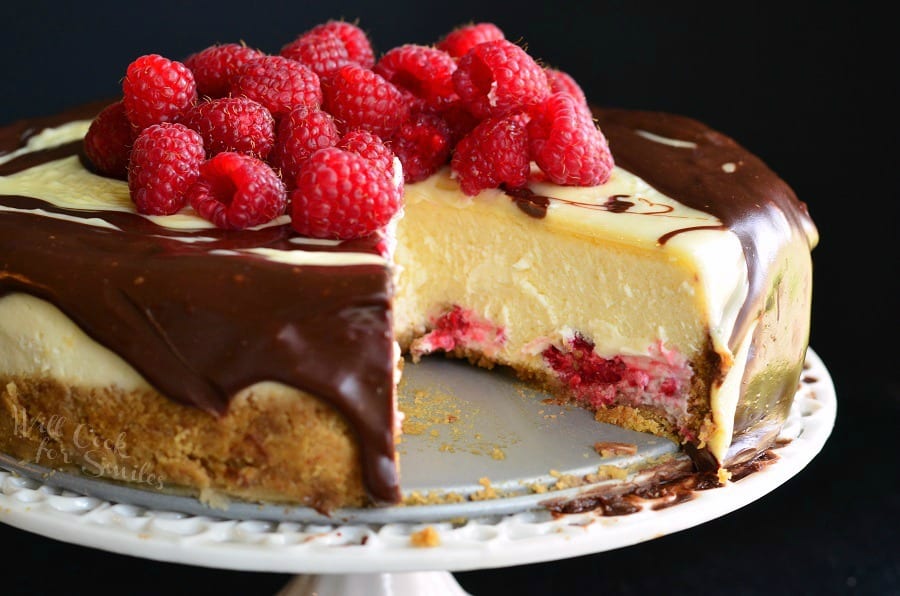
(201, 322)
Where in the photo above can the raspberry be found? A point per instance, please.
(165, 161)
(566, 144)
(458, 42)
(580, 365)
(460, 329)
(157, 90)
(460, 120)
(425, 72)
(497, 77)
(323, 52)
(301, 133)
(278, 83)
(413, 103)
(369, 146)
(355, 40)
(423, 145)
(214, 66)
(359, 98)
(342, 195)
(237, 191)
(561, 81)
(494, 153)
(233, 124)
(108, 141)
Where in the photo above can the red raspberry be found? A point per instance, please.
(359, 98)
(423, 145)
(561, 81)
(355, 40)
(369, 146)
(108, 141)
(425, 72)
(458, 42)
(460, 120)
(237, 191)
(165, 161)
(494, 153)
(322, 52)
(214, 66)
(566, 144)
(415, 104)
(581, 367)
(157, 90)
(301, 133)
(233, 124)
(278, 83)
(497, 77)
(342, 195)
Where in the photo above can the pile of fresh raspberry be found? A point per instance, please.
(320, 130)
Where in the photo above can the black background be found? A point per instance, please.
(810, 89)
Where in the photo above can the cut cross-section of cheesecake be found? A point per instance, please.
(676, 301)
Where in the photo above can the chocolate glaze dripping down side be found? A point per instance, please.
(200, 327)
(751, 200)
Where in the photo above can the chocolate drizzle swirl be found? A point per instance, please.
(532, 204)
(615, 204)
(536, 205)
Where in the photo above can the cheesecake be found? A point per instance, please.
(672, 297)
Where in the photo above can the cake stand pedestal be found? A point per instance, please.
(374, 553)
(433, 583)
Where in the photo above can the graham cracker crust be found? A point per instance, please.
(274, 444)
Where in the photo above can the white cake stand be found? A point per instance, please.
(378, 557)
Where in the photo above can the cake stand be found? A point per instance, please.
(374, 551)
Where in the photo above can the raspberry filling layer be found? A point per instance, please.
(660, 381)
(460, 328)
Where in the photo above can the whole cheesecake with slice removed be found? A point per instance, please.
(672, 297)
